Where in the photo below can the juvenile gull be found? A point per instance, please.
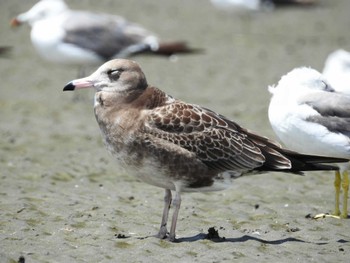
(310, 117)
(67, 36)
(175, 145)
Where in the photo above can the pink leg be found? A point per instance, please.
(176, 203)
(167, 201)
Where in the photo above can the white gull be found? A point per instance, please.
(308, 116)
(67, 36)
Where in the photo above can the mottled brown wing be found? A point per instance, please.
(214, 140)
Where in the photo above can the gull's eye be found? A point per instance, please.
(114, 74)
(327, 87)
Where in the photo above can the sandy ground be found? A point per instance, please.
(63, 200)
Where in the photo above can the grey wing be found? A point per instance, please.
(328, 103)
(108, 36)
(333, 109)
(332, 123)
(213, 141)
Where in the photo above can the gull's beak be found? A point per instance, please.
(79, 84)
(15, 22)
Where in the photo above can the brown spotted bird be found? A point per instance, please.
(175, 145)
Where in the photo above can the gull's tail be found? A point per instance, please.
(293, 2)
(173, 48)
(283, 160)
(306, 162)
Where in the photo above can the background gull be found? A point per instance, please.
(310, 117)
(175, 145)
(256, 5)
(80, 37)
(337, 70)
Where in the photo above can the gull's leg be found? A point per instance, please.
(176, 204)
(337, 183)
(167, 201)
(345, 186)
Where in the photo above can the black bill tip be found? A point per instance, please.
(69, 86)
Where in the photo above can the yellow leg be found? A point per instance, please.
(345, 187)
(337, 182)
(344, 184)
(336, 213)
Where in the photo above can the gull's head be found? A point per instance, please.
(118, 75)
(300, 81)
(336, 61)
(41, 10)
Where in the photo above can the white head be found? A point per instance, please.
(337, 60)
(299, 81)
(337, 70)
(41, 10)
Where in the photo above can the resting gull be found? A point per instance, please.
(175, 145)
(308, 116)
(67, 36)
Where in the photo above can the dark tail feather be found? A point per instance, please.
(283, 160)
(171, 48)
(306, 162)
(299, 163)
(294, 2)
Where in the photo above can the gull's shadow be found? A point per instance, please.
(213, 235)
(244, 238)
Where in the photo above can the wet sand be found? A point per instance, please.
(64, 200)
